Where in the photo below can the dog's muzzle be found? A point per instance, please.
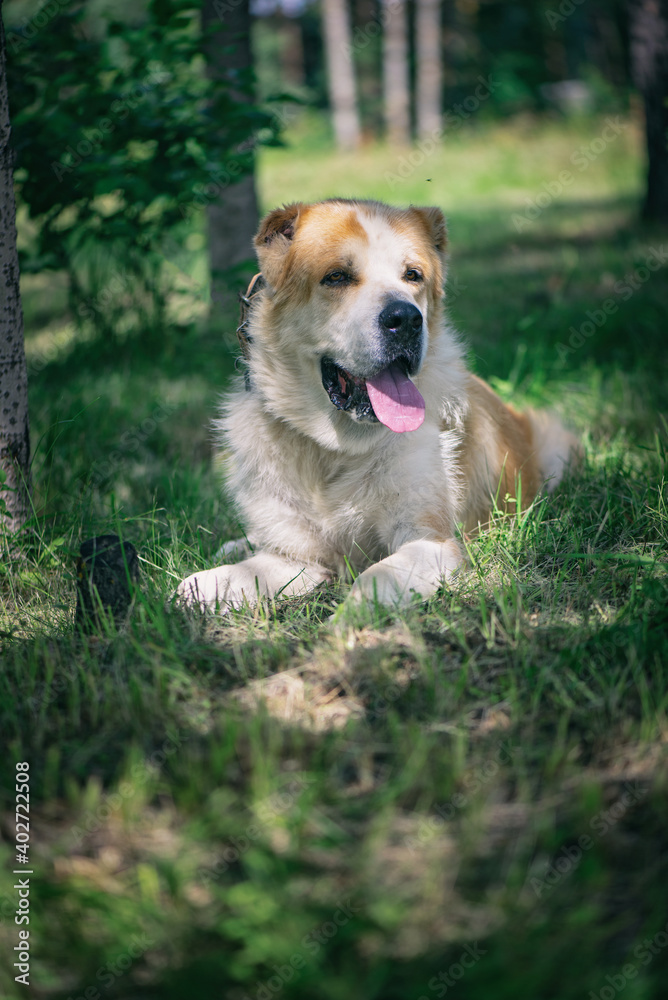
(384, 394)
(400, 325)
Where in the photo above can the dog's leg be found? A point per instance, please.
(418, 567)
(264, 575)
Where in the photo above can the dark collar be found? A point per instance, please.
(256, 285)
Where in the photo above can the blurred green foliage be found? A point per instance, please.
(529, 45)
(122, 139)
(120, 136)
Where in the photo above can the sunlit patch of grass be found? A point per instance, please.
(486, 165)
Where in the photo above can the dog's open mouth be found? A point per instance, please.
(388, 397)
(347, 392)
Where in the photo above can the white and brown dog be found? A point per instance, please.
(361, 441)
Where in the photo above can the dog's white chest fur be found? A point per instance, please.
(323, 506)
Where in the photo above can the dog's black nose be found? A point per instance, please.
(402, 319)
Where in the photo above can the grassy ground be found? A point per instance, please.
(466, 799)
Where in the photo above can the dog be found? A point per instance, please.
(360, 441)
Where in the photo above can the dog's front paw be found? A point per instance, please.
(212, 589)
(263, 575)
(416, 570)
(380, 584)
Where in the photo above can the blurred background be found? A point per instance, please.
(133, 121)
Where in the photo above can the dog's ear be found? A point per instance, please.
(274, 237)
(434, 221)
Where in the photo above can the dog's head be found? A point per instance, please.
(353, 298)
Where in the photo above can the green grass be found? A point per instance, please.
(261, 806)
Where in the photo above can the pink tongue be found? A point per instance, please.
(395, 400)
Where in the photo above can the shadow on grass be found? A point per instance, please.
(598, 221)
(389, 858)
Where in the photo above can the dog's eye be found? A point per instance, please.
(412, 274)
(336, 278)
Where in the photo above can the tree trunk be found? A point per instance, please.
(14, 427)
(649, 62)
(428, 59)
(396, 83)
(232, 218)
(341, 74)
(292, 52)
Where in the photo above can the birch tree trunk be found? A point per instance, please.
(232, 215)
(429, 73)
(341, 74)
(649, 65)
(396, 83)
(14, 427)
